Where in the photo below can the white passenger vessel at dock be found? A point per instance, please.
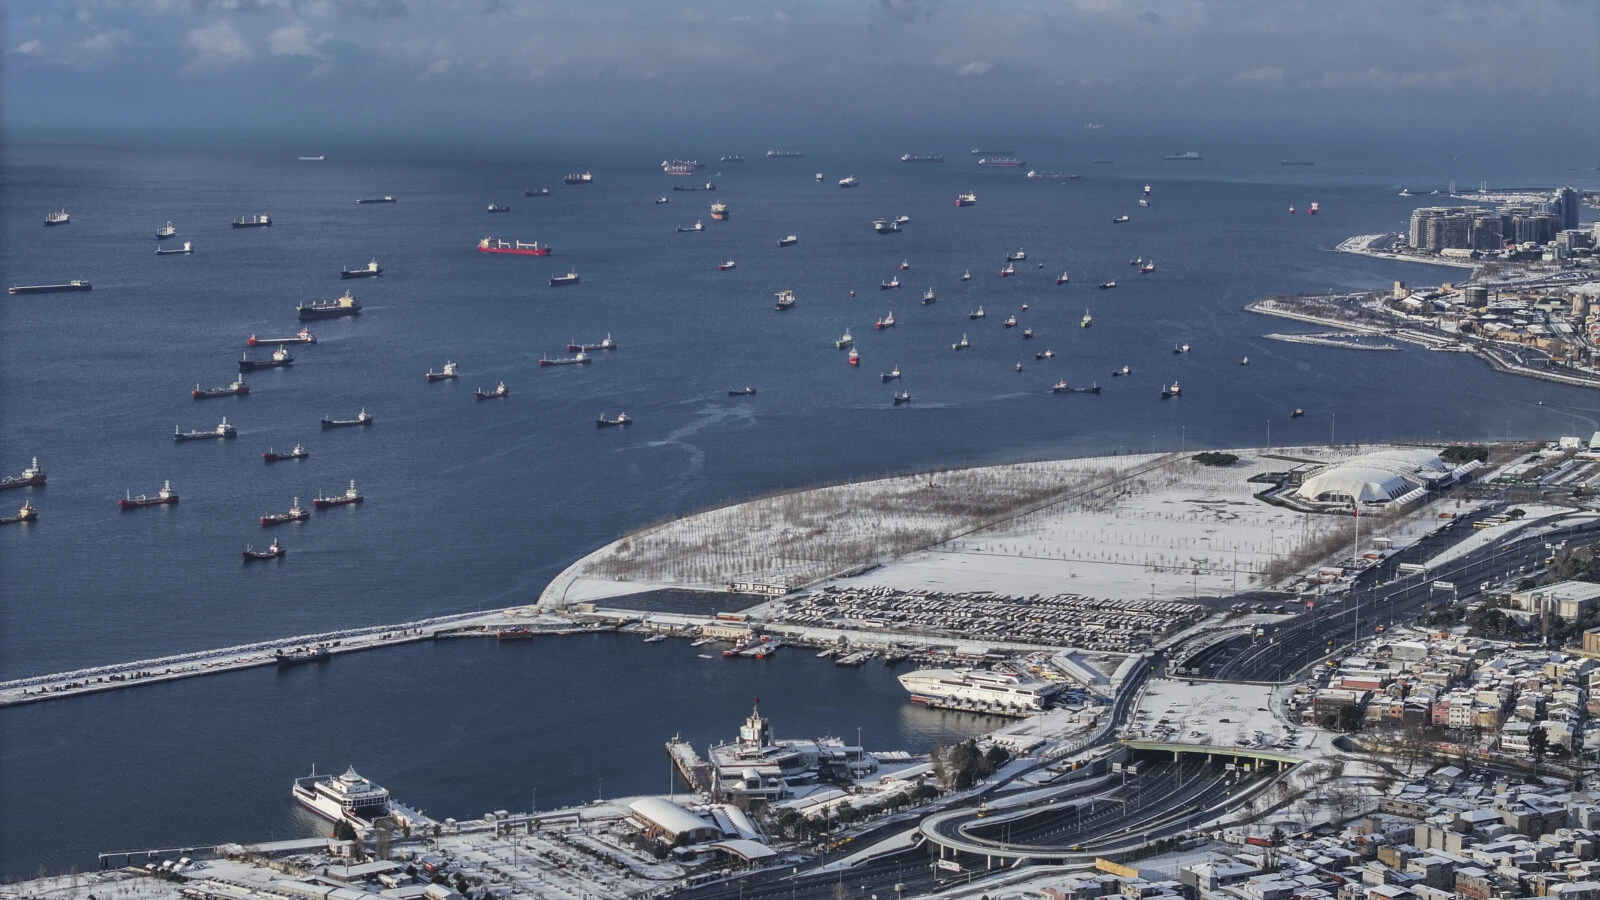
(985, 690)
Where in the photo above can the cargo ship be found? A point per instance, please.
(300, 655)
(719, 212)
(296, 513)
(1298, 162)
(26, 514)
(784, 154)
(558, 280)
(370, 270)
(928, 297)
(619, 420)
(912, 157)
(166, 231)
(222, 431)
(902, 397)
(515, 248)
(303, 336)
(578, 178)
(686, 163)
(237, 388)
(885, 226)
(163, 496)
(732, 158)
(1187, 155)
(1037, 175)
(977, 313)
(261, 221)
(891, 375)
(1119, 220)
(30, 476)
(677, 168)
(448, 373)
(1174, 391)
(746, 391)
(299, 452)
(362, 418)
(330, 309)
(991, 152)
(280, 360)
(890, 285)
(351, 495)
(59, 217)
(697, 226)
(501, 391)
(1001, 162)
(274, 550)
(788, 241)
(384, 199)
(73, 285)
(708, 186)
(497, 208)
(577, 359)
(967, 199)
(536, 192)
(186, 249)
(607, 344)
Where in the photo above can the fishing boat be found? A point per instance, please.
(1086, 321)
(1125, 370)
(1181, 348)
(162, 497)
(961, 344)
(1108, 285)
(697, 226)
(1174, 391)
(351, 495)
(237, 389)
(303, 336)
(844, 341)
(1245, 361)
(1010, 322)
(221, 432)
(30, 476)
(1143, 202)
(902, 397)
(299, 452)
(606, 343)
(977, 313)
(1063, 278)
(274, 550)
(819, 178)
(1298, 412)
(1119, 220)
(25, 514)
(725, 266)
(620, 419)
(891, 284)
(1291, 210)
(501, 391)
(280, 359)
(166, 231)
(1008, 271)
(370, 270)
(902, 219)
(661, 200)
(187, 249)
(561, 280)
(1045, 354)
(788, 241)
(1146, 191)
(967, 275)
(967, 199)
(890, 375)
(445, 374)
(536, 192)
(746, 391)
(296, 513)
(512, 247)
(928, 297)
(886, 322)
(1147, 268)
(1313, 208)
(577, 359)
(362, 418)
(785, 301)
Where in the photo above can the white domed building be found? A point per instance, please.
(1386, 478)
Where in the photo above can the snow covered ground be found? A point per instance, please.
(1222, 715)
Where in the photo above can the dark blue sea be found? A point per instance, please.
(475, 505)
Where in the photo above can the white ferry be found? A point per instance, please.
(343, 798)
(978, 689)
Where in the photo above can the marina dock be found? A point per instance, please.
(695, 771)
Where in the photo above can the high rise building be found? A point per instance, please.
(1567, 205)
(1436, 228)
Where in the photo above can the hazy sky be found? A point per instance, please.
(518, 66)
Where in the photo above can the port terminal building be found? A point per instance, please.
(759, 767)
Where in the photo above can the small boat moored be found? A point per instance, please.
(928, 297)
(1298, 412)
(886, 322)
(890, 375)
(725, 266)
(1086, 321)
(844, 340)
(1119, 220)
(1108, 285)
(1010, 322)
(1063, 278)
(1045, 354)
(788, 241)
(902, 397)
(1175, 390)
(855, 357)
(890, 285)
(961, 344)
(977, 313)
(1008, 271)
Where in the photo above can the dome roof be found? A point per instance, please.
(1367, 485)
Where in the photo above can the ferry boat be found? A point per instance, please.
(274, 550)
(620, 420)
(967, 199)
(299, 452)
(1018, 256)
(848, 181)
(26, 514)
(785, 301)
(446, 374)
(1008, 271)
(697, 226)
(746, 391)
(386, 198)
(912, 157)
(166, 231)
(1147, 268)
(985, 690)
(303, 336)
(362, 418)
(844, 341)
(885, 226)
(890, 375)
(788, 241)
(1108, 285)
(967, 275)
(977, 313)
(576, 178)
(497, 208)
(732, 158)
(1125, 370)
(536, 192)
(901, 397)
(1298, 412)
(725, 266)
(370, 270)
(1063, 278)
(1174, 391)
(162, 497)
(719, 212)
(296, 513)
(1002, 162)
(1312, 209)
(886, 322)
(1036, 175)
(237, 388)
(59, 217)
(577, 359)
(1045, 354)
(928, 298)
(501, 391)
(351, 495)
(1010, 322)
(30, 476)
(222, 431)
(280, 360)
(513, 247)
(559, 280)
(1187, 155)
(1119, 220)
(889, 285)
(75, 284)
(330, 309)
(261, 221)
(784, 154)
(606, 344)
(708, 186)
(346, 798)
(186, 249)
(855, 357)
(961, 344)
(1086, 321)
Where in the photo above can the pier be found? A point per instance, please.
(696, 772)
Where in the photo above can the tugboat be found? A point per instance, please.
(280, 360)
(967, 199)
(501, 391)
(891, 284)
(536, 192)
(559, 280)
(1125, 370)
(719, 211)
(186, 249)
(785, 301)
(512, 247)
(977, 313)
(238, 388)
(261, 221)
(370, 270)
(1063, 278)
(30, 476)
(296, 513)
(1086, 321)
(844, 341)
(1298, 412)
(386, 198)
(1027, 334)
(961, 344)
(223, 431)
(1018, 256)
(606, 344)
(928, 297)
(725, 266)
(577, 359)
(1045, 354)
(330, 309)
(746, 391)
(788, 241)
(166, 231)
(59, 217)
(577, 178)
(621, 419)
(299, 452)
(697, 226)
(902, 397)
(303, 336)
(164, 496)
(855, 357)
(274, 550)
(1008, 271)
(1108, 285)
(350, 496)
(448, 373)
(890, 375)
(362, 418)
(886, 322)
(1174, 391)
(26, 514)
(1010, 322)
(497, 208)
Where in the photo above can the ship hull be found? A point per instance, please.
(308, 313)
(50, 288)
(328, 503)
(21, 482)
(517, 251)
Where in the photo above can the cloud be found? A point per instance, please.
(976, 67)
(1263, 75)
(295, 40)
(222, 5)
(1150, 17)
(438, 67)
(216, 46)
(910, 10)
(375, 9)
(29, 48)
(105, 40)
